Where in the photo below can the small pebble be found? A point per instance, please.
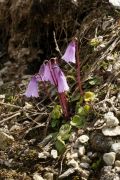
(111, 120)
(109, 158)
(72, 137)
(117, 163)
(54, 153)
(74, 155)
(84, 165)
(73, 163)
(81, 150)
(48, 176)
(83, 139)
(116, 147)
(36, 176)
(85, 159)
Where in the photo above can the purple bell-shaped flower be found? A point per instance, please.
(32, 89)
(69, 55)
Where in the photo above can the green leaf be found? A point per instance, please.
(65, 129)
(94, 81)
(81, 111)
(60, 145)
(56, 112)
(78, 121)
(55, 123)
(87, 108)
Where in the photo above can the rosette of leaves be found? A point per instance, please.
(79, 119)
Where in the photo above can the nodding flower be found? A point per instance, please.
(72, 55)
(69, 55)
(51, 72)
(32, 89)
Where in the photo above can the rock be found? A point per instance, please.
(108, 174)
(116, 147)
(81, 150)
(72, 137)
(36, 176)
(117, 163)
(115, 3)
(54, 153)
(111, 131)
(109, 158)
(84, 174)
(68, 156)
(15, 127)
(73, 163)
(49, 176)
(83, 139)
(43, 155)
(74, 155)
(84, 165)
(85, 159)
(118, 97)
(99, 142)
(67, 173)
(117, 169)
(111, 120)
(5, 140)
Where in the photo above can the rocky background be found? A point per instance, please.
(30, 32)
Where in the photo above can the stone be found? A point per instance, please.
(74, 155)
(117, 163)
(109, 158)
(73, 163)
(49, 176)
(5, 140)
(107, 173)
(43, 155)
(84, 165)
(115, 3)
(72, 137)
(99, 142)
(36, 176)
(67, 173)
(111, 120)
(115, 131)
(83, 139)
(116, 147)
(86, 159)
(117, 169)
(81, 150)
(54, 153)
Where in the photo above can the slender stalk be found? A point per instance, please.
(78, 68)
(62, 96)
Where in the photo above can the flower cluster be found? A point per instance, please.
(52, 73)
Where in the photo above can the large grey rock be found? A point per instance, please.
(109, 158)
(5, 140)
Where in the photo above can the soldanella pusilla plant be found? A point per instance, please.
(52, 73)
